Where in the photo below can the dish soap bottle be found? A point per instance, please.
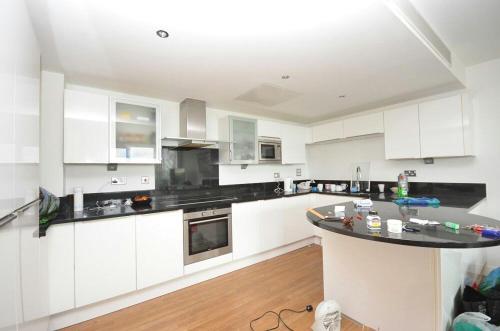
(402, 185)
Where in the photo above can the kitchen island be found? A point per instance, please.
(408, 281)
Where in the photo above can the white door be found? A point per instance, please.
(402, 133)
(61, 262)
(328, 131)
(364, 125)
(34, 267)
(246, 228)
(86, 127)
(441, 127)
(296, 225)
(293, 144)
(105, 260)
(159, 247)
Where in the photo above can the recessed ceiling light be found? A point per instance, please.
(342, 96)
(162, 33)
(285, 76)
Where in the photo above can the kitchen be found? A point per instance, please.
(182, 165)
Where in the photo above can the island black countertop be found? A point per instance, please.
(437, 236)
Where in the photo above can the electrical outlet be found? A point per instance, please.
(118, 180)
(145, 180)
(411, 173)
(298, 172)
(276, 175)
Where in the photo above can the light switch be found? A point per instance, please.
(145, 180)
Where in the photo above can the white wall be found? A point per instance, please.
(96, 178)
(51, 132)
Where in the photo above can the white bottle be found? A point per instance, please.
(78, 199)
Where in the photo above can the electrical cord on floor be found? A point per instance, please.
(280, 320)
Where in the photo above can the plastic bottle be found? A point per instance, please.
(402, 185)
(78, 199)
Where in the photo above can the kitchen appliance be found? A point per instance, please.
(207, 234)
(269, 150)
(192, 126)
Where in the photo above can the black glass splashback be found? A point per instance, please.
(187, 169)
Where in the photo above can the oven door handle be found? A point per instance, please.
(209, 220)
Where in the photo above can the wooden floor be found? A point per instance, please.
(231, 301)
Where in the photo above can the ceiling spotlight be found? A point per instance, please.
(162, 33)
(342, 96)
(285, 77)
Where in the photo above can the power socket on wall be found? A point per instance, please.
(411, 173)
(118, 180)
(276, 175)
(298, 172)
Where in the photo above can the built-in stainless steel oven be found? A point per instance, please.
(269, 150)
(207, 234)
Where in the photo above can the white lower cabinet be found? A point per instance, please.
(259, 226)
(105, 259)
(246, 228)
(61, 251)
(159, 240)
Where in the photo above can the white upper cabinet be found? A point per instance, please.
(134, 131)
(159, 244)
(293, 140)
(293, 144)
(402, 133)
(436, 128)
(441, 127)
(364, 125)
(241, 133)
(328, 131)
(86, 127)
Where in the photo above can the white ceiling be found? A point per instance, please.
(221, 49)
(470, 28)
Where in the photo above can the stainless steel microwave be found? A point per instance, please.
(269, 150)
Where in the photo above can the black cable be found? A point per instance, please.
(308, 308)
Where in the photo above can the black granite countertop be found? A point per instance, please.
(194, 199)
(437, 236)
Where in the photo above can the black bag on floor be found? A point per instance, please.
(474, 301)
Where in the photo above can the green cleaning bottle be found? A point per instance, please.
(402, 186)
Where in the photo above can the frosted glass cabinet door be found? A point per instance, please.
(243, 137)
(134, 132)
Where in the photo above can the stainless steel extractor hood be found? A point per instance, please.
(192, 126)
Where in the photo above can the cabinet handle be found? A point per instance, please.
(208, 221)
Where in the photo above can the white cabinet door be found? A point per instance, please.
(105, 260)
(246, 228)
(272, 224)
(34, 267)
(10, 291)
(441, 127)
(61, 261)
(243, 138)
(328, 131)
(296, 225)
(86, 127)
(402, 133)
(364, 125)
(293, 144)
(159, 247)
